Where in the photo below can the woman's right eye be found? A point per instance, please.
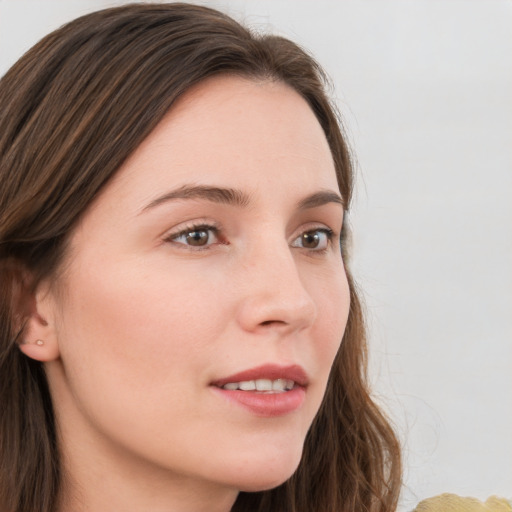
(196, 236)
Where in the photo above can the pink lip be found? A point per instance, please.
(263, 403)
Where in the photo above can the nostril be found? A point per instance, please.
(270, 322)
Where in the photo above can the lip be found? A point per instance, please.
(264, 404)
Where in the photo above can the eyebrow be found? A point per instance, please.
(221, 195)
(236, 197)
(319, 199)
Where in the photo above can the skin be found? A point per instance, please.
(139, 322)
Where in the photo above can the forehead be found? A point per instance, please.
(234, 132)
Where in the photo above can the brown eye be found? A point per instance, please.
(315, 240)
(200, 237)
(310, 240)
(197, 238)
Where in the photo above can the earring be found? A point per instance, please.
(39, 343)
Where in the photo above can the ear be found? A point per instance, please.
(39, 339)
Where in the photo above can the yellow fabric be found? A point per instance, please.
(454, 503)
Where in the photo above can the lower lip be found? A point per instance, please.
(266, 404)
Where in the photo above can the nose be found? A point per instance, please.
(273, 293)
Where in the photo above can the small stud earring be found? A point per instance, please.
(39, 342)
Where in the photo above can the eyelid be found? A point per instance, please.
(198, 225)
(329, 233)
(315, 226)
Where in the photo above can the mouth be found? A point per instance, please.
(267, 391)
(262, 385)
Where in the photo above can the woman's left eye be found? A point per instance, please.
(315, 239)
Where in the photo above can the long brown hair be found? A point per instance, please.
(71, 111)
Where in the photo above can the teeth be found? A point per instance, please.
(278, 385)
(248, 385)
(263, 385)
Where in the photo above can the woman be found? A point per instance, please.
(179, 330)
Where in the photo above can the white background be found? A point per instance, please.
(425, 88)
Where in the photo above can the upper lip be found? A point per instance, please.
(267, 371)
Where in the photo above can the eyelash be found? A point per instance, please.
(216, 230)
(191, 229)
(329, 235)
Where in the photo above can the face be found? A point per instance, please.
(209, 266)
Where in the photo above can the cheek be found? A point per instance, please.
(135, 334)
(331, 294)
(333, 303)
(135, 349)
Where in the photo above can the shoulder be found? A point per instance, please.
(454, 503)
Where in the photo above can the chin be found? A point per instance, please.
(264, 485)
(267, 475)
